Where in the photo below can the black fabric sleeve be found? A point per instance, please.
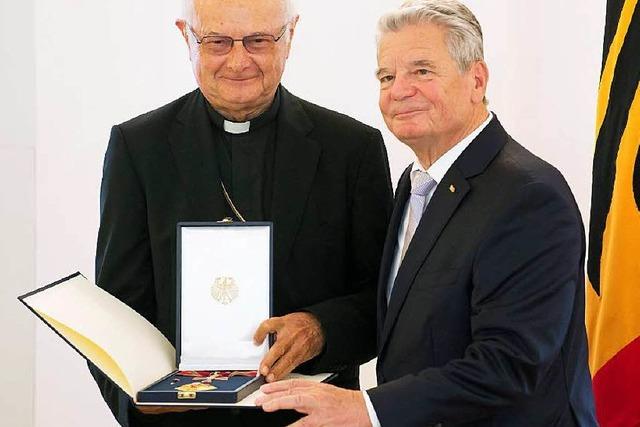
(349, 322)
(123, 255)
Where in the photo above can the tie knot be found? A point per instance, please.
(421, 183)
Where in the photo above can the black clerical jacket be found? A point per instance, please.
(330, 207)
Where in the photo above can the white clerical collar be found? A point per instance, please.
(441, 166)
(236, 127)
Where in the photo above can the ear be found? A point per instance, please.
(292, 25)
(182, 26)
(479, 74)
(292, 31)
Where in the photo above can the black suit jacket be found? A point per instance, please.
(331, 204)
(485, 326)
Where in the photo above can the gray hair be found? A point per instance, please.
(187, 9)
(464, 34)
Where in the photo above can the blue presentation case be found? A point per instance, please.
(224, 290)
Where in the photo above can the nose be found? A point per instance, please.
(401, 88)
(238, 58)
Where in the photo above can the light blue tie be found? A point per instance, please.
(421, 185)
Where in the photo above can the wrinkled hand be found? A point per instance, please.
(157, 410)
(324, 404)
(299, 338)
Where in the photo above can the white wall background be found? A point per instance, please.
(71, 69)
(17, 207)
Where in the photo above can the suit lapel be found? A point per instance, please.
(442, 206)
(191, 142)
(391, 241)
(473, 161)
(296, 161)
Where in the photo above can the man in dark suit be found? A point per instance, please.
(321, 177)
(480, 303)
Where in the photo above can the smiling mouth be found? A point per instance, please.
(238, 79)
(405, 114)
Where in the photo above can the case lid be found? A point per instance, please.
(224, 293)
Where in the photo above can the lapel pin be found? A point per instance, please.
(452, 188)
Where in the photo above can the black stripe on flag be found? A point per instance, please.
(614, 10)
(625, 82)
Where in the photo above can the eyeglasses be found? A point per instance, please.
(255, 43)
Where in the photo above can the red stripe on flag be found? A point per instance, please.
(616, 387)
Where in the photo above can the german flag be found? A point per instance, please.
(613, 267)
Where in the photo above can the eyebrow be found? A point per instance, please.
(255, 33)
(381, 71)
(204, 32)
(417, 63)
(423, 63)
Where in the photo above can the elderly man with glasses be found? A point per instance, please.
(242, 146)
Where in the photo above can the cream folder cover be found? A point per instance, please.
(114, 337)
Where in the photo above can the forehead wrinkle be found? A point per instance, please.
(205, 10)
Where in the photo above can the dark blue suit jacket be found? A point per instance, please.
(485, 326)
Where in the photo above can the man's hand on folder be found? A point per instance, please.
(299, 338)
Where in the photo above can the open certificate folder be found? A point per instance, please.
(112, 336)
(223, 293)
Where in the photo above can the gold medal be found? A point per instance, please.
(224, 290)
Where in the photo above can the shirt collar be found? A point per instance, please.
(441, 166)
(228, 126)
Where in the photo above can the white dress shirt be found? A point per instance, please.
(437, 171)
